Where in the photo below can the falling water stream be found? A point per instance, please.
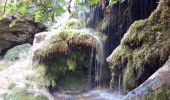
(20, 71)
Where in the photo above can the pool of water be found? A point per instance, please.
(97, 94)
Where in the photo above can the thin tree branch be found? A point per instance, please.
(69, 6)
(5, 6)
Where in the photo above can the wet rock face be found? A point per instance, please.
(116, 23)
(22, 32)
(143, 49)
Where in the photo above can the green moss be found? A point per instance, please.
(13, 54)
(57, 43)
(71, 64)
(39, 74)
(160, 94)
(19, 93)
(128, 77)
(40, 97)
(57, 67)
(63, 51)
(146, 44)
(73, 82)
(73, 24)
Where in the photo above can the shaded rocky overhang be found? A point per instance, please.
(22, 32)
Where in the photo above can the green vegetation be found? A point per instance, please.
(57, 67)
(13, 53)
(145, 46)
(74, 82)
(42, 10)
(73, 24)
(21, 94)
(63, 51)
(160, 94)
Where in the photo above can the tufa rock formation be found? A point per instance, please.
(143, 49)
(63, 57)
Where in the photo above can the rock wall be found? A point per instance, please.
(121, 15)
(144, 48)
(22, 32)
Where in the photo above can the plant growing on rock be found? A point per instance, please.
(144, 48)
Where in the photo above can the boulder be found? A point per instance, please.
(22, 32)
(21, 93)
(15, 52)
(65, 56)
(144, 49)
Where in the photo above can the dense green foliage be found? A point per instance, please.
(42, 9)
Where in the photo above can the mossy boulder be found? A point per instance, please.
(144, 48)
(73, 24)
(64, 51)
(13, 53)
(20, 93)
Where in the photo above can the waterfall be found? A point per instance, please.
(97, 57)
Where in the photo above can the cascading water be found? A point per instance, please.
(98, 59)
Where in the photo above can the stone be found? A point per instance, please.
(63, 53)
(156, 87)
(22, 32)
(143, 49)
(14, 53)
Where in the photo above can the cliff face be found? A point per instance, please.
(143, 49)
(120, 16)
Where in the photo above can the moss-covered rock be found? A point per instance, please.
(160, 94)
(144, 48)
(156, 87)
(20, 93)
(63, 51)
(73, 24)
(73, 82)
(13, 53)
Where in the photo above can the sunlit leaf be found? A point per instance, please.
(92, 2)
(13, 23)
(1, 7)
(22, 10)
(114, 1)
